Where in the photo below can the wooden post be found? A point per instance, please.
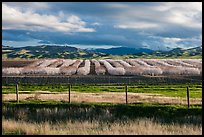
(126, 90)
(188, 97)
(69, 91)
(17, 97)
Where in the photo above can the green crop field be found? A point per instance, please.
(163, 89)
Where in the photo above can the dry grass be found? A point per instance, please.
(109, 97)
(136, 127)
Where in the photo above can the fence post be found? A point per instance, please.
(17, 97)
(126, 90)
(69, 91)
(188, 97)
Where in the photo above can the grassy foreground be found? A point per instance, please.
(33, 117)
(136, 127)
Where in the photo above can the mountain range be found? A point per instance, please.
(123, 51)
(53, 51)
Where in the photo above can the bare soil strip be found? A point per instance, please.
(104, 97)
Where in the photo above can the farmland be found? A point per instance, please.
(101, 68)
(101, 109)
(128, 67)
(156, 96)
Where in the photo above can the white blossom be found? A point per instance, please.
(142, 68)
(84, 70)
(11, 71)
(99, 69)
(67, 62)
(113, 70)
(56, 63)
(46, 62)
(115, 63)
(70, 70)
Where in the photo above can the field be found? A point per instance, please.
(101, 109)
(34, 117)
(127, 67)
(156, 102)
(164, 90)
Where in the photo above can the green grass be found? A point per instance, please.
(96, 110)
(58, 113)
(164, 89)
(62, 104)
(120, 107)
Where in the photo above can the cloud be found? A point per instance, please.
(155, 25)
(173, 39)
(32, 6)
(15, 19)
(137, 25)
(94, 46)
(17, 35)
(173, 42)
(158, 16)
(32, 42)
(96, 24)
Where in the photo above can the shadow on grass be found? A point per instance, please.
(38, 111)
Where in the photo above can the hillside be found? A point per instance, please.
(67, 52)
(180, 53)
(123, 51)
(45, 51)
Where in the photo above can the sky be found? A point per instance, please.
(153, 25)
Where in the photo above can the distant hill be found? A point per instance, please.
(52, 51)
(45, 51)
(180, 52)
(123, 51)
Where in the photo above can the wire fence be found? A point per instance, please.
(110, 93)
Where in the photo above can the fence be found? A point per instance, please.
(125, 94)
